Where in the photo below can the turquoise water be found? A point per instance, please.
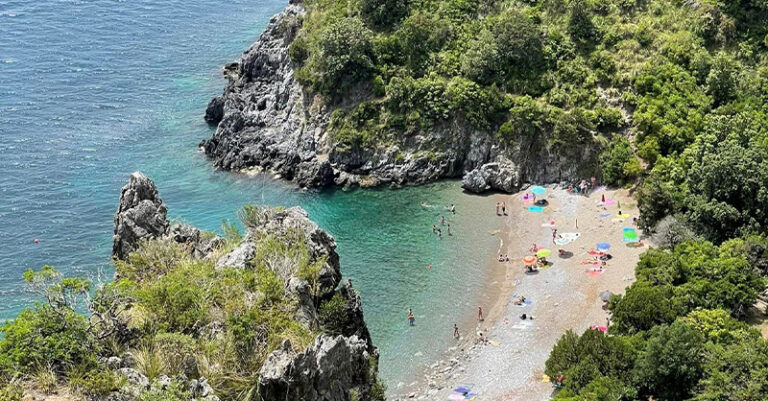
(93, 90)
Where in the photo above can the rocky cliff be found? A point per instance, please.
(267, 122)
(339, 365)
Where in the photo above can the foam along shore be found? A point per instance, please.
(564, 295)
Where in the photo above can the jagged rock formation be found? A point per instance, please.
(141, 214)
(325, 371)
(332, 369)
(267, 122)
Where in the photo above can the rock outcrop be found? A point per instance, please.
(141, 214)
(267, 122)
(325, 371)
(334, 368)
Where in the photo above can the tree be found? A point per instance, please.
(383, 13)
(343, 57)
(618, 163)
(641, 308)
(672, 363)
(721, 81)
(738, 372)
(580, 25)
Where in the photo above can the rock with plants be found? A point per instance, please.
(185, 322)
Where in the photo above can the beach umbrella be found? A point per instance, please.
(543, 253)
(529, 260)
(537, 190)
(603, 246)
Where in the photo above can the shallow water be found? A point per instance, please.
(93, 90)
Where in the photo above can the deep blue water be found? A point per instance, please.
(93, 90)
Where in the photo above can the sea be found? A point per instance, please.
(92, 90)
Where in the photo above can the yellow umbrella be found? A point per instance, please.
(543, 253)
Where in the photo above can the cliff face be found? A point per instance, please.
(336, 365)
(266, 121)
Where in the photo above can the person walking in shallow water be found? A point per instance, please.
(442, 220)
(480, 313)
(411, 318)
(456, 331)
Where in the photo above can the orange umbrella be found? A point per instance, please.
(529, 260)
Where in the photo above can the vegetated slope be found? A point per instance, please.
(396, 91)
(259, 315)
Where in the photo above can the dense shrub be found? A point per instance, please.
(618, 163)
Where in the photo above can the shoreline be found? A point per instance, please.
(518, 349)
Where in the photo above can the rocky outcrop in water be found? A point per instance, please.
(336, 367)
(267, 122)
(141, 214)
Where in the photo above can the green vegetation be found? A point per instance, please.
(675, 334)
(177, 314)
(561, 75)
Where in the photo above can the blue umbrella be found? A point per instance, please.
(537, 190)
(603, 246)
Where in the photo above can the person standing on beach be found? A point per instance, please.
(497, 208)
(504, 208)
(480, 314)
(456, 331)
(554, 235)
(411, 318)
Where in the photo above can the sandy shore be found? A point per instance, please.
(563, 297)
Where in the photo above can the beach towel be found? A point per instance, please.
(572, 236)
(456, 397)
(625, 239)
(605, 215)
(537, 209)
(495, 343)
(463, 389)
(623, 216)
(628, 230)
(470, 396)
(595, 272)
(609, 202)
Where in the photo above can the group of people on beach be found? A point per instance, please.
(585, 187)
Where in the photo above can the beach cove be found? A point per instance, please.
(566, 295)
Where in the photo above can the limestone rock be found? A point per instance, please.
(502, 177)
(141, 214)
(326, 371)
